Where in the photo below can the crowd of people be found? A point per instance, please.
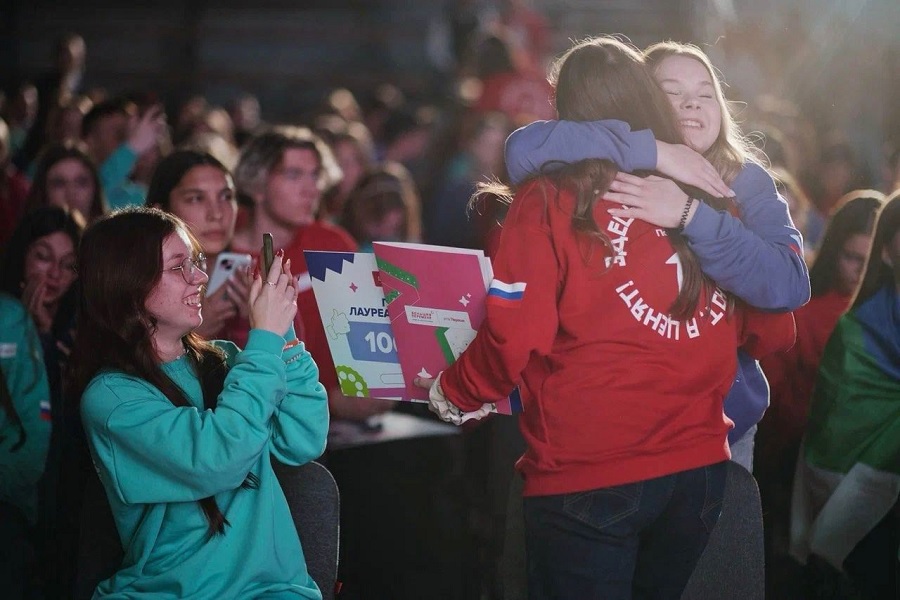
(688, 298)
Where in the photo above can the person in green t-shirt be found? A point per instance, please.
(847, 480)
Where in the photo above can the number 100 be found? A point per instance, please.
(381, 340)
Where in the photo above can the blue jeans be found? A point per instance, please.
(638, 540)
(742, 450)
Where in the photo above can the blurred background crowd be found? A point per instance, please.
(436, 86)
(408, 106)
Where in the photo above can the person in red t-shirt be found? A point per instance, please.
(833, 277)
(284, 171)
(520, 94)
(623, 352)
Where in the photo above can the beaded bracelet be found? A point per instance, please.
(294, 358)
(684, 213)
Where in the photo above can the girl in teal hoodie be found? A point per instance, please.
(182, 431)
(24, 438)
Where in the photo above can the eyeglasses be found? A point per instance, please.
(66, 266)
(191, 267)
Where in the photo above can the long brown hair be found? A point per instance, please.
(43, 221)
(120, 262)
(388, 188)
(172, 169)
(605, 78)
(855, 215)
(878, 273)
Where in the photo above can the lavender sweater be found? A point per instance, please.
(758, 257)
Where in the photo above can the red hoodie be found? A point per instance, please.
(614, 390)
(792, 374)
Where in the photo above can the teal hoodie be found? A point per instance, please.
(156, 460)
(22, 362)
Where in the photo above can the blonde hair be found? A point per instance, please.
(731, 150)
(264, 152)
(787, 185)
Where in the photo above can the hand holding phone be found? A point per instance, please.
(273, 295)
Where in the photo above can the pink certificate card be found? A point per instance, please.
(435, 300)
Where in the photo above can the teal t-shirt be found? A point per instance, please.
(113, 173)
(156, 460)
(22, 459)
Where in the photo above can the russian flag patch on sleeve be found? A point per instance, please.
(45, 410)
(506, 294)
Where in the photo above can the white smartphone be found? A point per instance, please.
(226, 264)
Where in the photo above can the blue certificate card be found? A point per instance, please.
(349, 295)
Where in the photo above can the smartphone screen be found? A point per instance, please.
(227, 263)
(268, 254)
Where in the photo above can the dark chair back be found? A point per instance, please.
(313, 497)
(733, 564)
(513, 569)
(99, 549)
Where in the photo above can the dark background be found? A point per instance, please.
(839, 61)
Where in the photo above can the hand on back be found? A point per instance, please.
(656, 200)
(684, 164)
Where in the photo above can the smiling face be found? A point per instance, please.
(51, 259)
(292, 191)
(70, 184)
(690, 89)
(204, 199)
(174, 302)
